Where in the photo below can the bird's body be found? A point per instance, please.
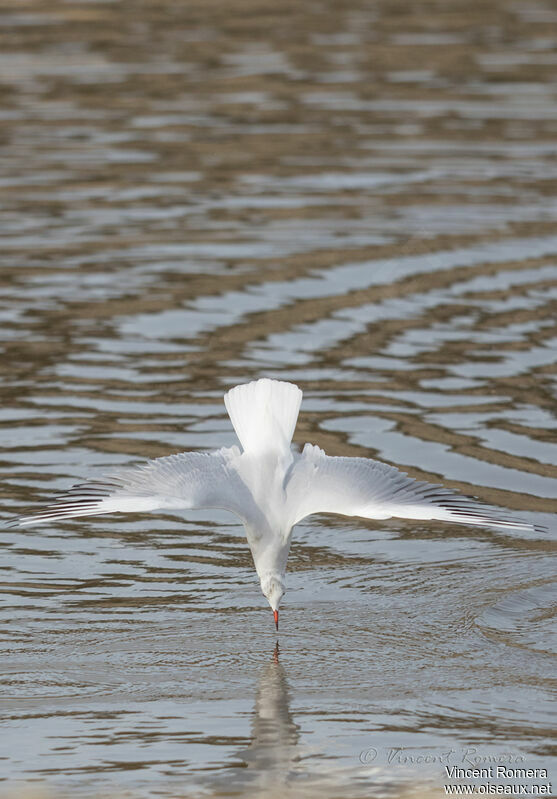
(268, 485)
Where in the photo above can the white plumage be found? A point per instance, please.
(269, 486)
(264, 414)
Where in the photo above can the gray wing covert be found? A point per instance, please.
(318, 483)
(189, 480)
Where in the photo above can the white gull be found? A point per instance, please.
(269, 486)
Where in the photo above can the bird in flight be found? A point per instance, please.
(269, 486)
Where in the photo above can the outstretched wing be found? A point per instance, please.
(363, 487)
(188, 480)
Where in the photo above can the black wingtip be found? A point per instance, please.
(541, 529)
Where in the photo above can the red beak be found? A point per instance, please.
(275, 614)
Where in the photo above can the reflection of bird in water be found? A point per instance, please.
(273, 751)
(268, 486)
(265, 769)
(276, 764)
(274, 733)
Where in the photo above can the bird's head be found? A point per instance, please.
(272, 585)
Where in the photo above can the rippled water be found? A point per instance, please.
(357, 197)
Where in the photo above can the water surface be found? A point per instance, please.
(356, 197)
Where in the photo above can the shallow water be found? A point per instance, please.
(356, 197)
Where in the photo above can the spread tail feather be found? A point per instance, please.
(264, 413)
